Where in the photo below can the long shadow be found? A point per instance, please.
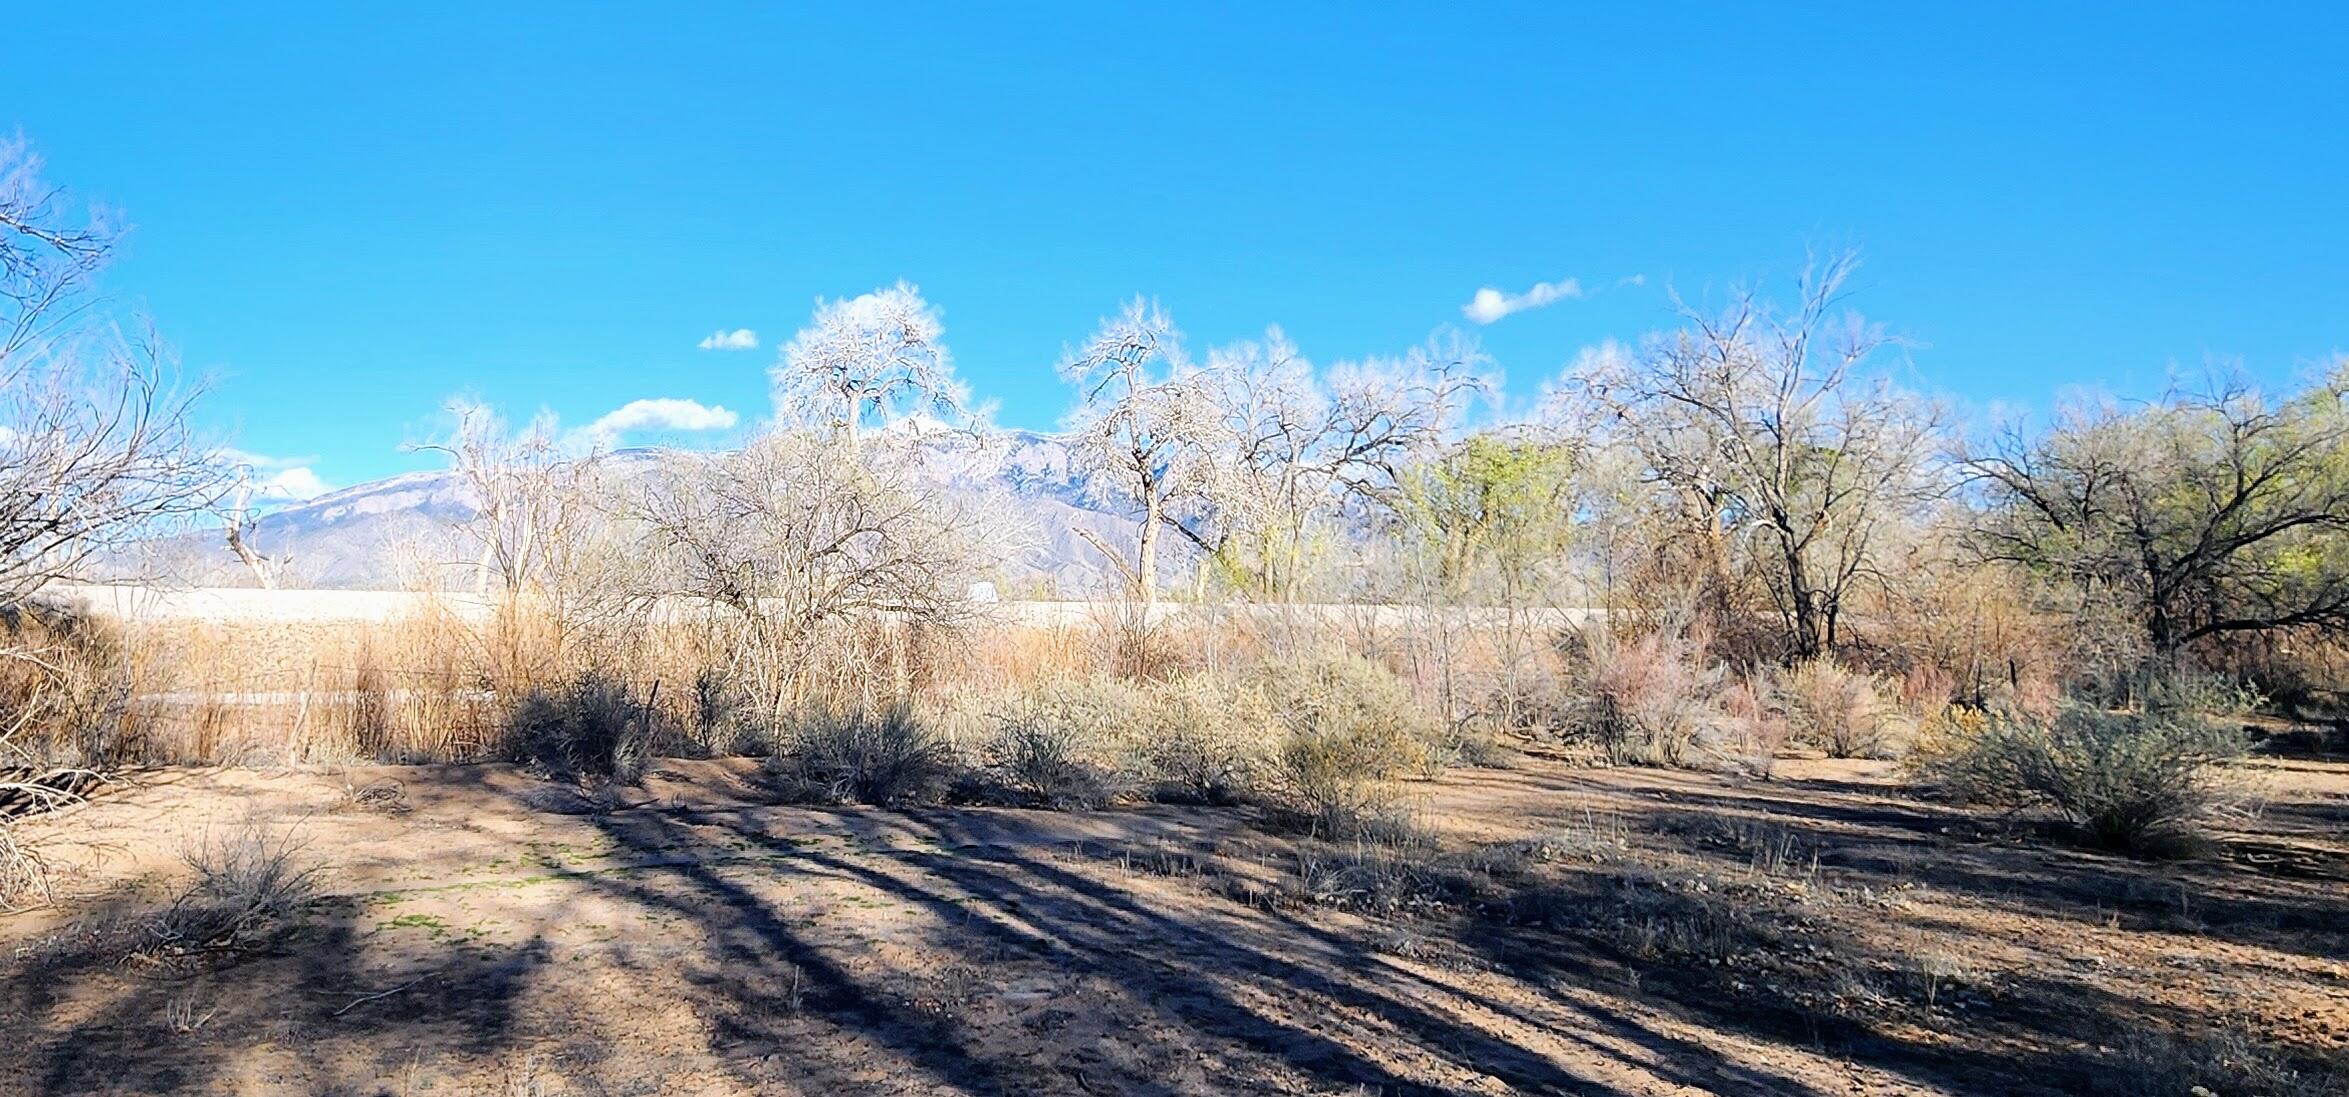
(89, 1017)
(2068, 1019)
(2210, 897)
(993, 902)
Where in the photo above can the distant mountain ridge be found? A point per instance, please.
(353, 538)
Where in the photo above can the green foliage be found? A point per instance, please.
(2207, 514)
(1204, 745)
(1058, 745)
(1347, 730)
(1493, 502)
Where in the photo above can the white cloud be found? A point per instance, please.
(292, 485)
(278, 479)
(1491, 304)
(665, 413)
(738, 339)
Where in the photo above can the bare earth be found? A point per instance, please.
(482, 931)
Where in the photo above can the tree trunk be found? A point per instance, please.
(1146, 555)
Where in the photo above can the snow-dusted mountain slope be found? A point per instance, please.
(360, 536)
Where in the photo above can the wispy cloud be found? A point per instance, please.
(1491, 304)
(738, 339)
(664, 413)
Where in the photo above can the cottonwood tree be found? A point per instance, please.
(1258, 486)
(1497, 502)
(1772, 435)
(535, 496)
(1286, 450)
(800, 532)
(2208, 513)
(96, 452)
(882, 352)
(1142, 428)
(237, 522)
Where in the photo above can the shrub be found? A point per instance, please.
(1203, 745)
(885, 757)
(65, 689)
(1838, 710)
(2191, 693)
(1055, 748)
(592, 726)
(1347, 729)
(1398, 869)
(245, 878)
(1651, 700)
(1753, 728)
(2140, 782)
(24, 874)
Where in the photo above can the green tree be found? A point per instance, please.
(1493, 505)
(2210, 513)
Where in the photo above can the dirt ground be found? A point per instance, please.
(481, 931)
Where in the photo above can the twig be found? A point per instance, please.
(357, 1002)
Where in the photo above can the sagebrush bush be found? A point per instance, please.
(1347, 729)
(1653, 699)
(1203, 745)
(1059, 746)
(1839, 710)
(886, 757)
(595, 725)
(2146, 783)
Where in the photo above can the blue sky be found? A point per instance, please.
(345, 214)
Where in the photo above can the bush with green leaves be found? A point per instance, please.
(2147, 783)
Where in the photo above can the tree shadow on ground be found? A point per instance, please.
(992, 957)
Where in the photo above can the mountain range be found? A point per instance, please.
(370, 536)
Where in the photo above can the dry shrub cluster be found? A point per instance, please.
(246, 878)
(1839, 710)
(1346, 731)
(66, 683)
(2145, 782)
(887, 757)
(1324, 742)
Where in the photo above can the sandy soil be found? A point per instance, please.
(481, 931)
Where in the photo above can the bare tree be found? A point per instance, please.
(882, 352)
(96, 452)
(1285, 449)
(533, 496)
(799, 532)
(1769, 432)
(237, 521)
(1141, 428)
(2210, 513)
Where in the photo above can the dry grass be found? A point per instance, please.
(247, 878)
